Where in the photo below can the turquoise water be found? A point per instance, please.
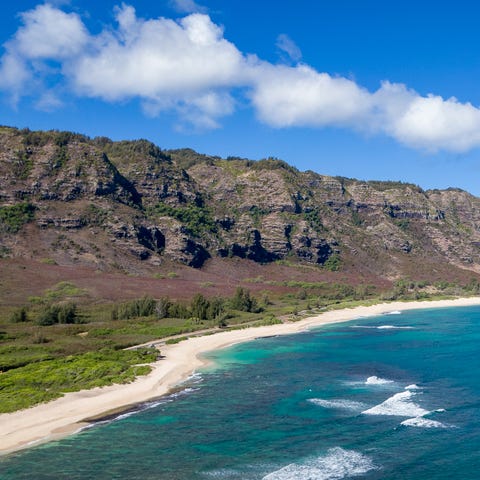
(354, 400)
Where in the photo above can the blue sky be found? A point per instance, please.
(372, 90)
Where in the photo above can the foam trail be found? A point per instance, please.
(394, 312)
(336, 464)
(423, 423)
(412, 387)
(384, 327)
(399, 405)
(339, 404)
(196, 377)
(374, 380)
(141, 408)
(394, 327)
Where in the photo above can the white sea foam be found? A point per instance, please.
(384, 327)
(400, 405)
(394, 327)
(412, 387)
(339, 404)
(196, 377)
(336, 464)
(394, 312)
(423, 423)
(374, 380)
(183, 392)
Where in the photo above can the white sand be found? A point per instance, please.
(66, 415)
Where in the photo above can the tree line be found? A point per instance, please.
(199, 308)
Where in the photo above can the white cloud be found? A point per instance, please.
(188, 6)
(163, 62)
(49, 33)
(13, 75)
(428, 123)
(189, 67)
(201, 111)
(288, 46)
(300, 96)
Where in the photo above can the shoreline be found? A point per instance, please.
(74, 411)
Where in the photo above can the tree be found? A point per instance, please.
(163, 305)
(67, 313)
(216, 308)
(199, 306)
(243, 301)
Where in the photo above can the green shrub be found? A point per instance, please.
(332, 263)
(45, 380)
(197, 220)
(13, 217)
(19, 315)
(174, 341)
(63, 313)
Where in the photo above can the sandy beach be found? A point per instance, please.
(68, 414)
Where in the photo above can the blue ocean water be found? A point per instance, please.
(389, 397)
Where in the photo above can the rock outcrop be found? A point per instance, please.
(131, 203)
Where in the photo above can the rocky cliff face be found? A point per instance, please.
(107, 204)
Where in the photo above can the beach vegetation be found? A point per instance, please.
(174, 341)
(19, 315)
(49, 379)
(51, 327)
(141, 307)
(65, 313)
(244, 301)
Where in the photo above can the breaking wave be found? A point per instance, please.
(400, 405)
(374, 380)
(339, 404)
(413, 386)
(423, 423)
(336, 464)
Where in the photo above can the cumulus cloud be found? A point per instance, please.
(47, 34)
(157, 57)
(190, 67)
(300, 96)
(429, 123)
(288, 46)
(183, 65)
(13, 75)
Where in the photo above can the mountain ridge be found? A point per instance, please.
(132, 206)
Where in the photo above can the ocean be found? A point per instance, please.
(395, 396)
